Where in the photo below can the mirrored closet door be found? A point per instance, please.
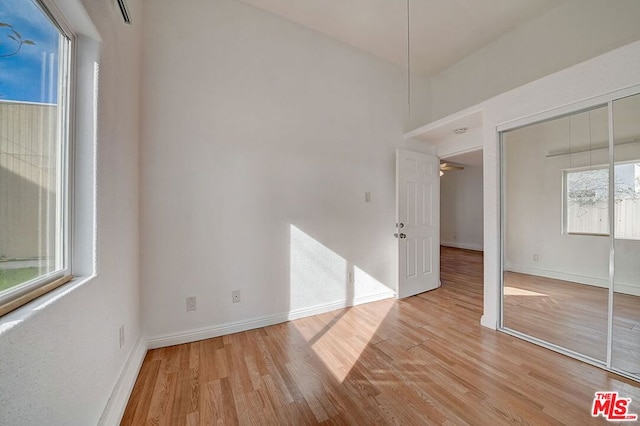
(626, 284)
(570, 206)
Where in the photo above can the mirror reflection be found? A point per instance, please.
(556, 231)
(625, 352)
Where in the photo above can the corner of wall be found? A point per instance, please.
(119, 398)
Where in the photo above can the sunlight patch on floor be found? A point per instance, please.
(320, 277)
(514, 291)
(340, 340)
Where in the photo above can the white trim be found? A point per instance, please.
(575, 278)
(208, 332)
(459, 152)
(74, 17)
(557, 275)
(114, 410)
(626, 289)
(568, 109)
(466, 246)
(465, 113)
(485, 321)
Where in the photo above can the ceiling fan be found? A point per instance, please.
(445, 167)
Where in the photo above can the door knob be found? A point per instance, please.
(400, 225)
(403, 235)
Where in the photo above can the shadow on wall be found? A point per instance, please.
(320, 276)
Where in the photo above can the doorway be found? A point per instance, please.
(461, 201)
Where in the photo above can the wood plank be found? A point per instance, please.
(421, 360)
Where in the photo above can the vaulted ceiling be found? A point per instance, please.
(442, 32)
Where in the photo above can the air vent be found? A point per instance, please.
(125, 11)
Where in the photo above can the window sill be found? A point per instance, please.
(27, 311)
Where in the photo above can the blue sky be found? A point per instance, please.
(21, 75)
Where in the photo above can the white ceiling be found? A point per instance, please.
(442, 31)
(469, 158)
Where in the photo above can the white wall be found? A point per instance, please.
(418, 103)
(534, 206)
(60, 354)
(461, 205)
(573, 32)
(260, 139)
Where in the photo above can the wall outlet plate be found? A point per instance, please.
(192, 303)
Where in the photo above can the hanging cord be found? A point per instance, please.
(570, 137)
(590, 149)
(408, 58)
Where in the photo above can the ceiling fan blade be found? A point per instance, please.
(448, 166)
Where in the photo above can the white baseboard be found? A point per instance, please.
(485, 321)
(202, 333)
(581, 279)
(627, 289)
(467, 246)
(113, 412)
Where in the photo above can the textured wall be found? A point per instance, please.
(60, 354)
(260, 139)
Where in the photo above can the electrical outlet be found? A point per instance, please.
(192, 303)
(536, 257)
(235, 296)
(350, 277)
(121, 335)
(367, 197)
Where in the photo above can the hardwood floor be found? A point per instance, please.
(574, 316)
(420, 360)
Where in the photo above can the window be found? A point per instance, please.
(34, 146)
(586, 200)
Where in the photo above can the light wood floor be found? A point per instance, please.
(574, 316)
(421, 360)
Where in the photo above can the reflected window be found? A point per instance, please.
(586, 201)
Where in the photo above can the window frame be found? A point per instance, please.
(21, 294)
(565, 195)
(565, 200)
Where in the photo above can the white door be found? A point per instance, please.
(418, 222)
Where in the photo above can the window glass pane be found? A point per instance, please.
(625, 345)
(627, 186)
(32, 145)
(587, 201)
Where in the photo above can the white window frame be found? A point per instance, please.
(23, 293)
(565, 200)
(565, 209)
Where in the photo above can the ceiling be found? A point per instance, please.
(469, 158)
(442, 31)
